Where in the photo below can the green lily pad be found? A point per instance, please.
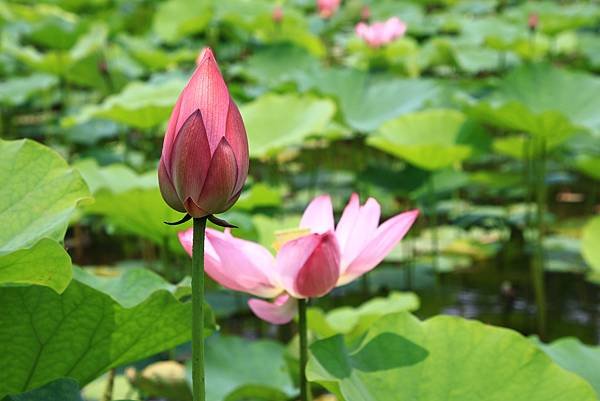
(417, 136)
(545, 101)
(261, 374)
(354, 321)
(17, 91)
(177, 19)
(57, 390)
(84, 332)
(366, 101)
(141, 212)
(589, 243)
(443, 358)
(140, 105)
(116, 178)
(573, 355)
(39, 193)
(46, 263)
(277, 121)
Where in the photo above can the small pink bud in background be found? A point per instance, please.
(277, 14)
(327, 8)
(533, 22)
(365, 13)
(381, 33)
(204, 161)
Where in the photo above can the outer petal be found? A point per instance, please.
(281, 311)
(386, 237)
(355, 233)
(190, 159)
(170, 135)
(220, 180)
(235, 133)
(167, 190)
(206, 91)
(318, 216)
(236, 264)
(309, 266)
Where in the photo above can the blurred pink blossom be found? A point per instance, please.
(328, 7)
(381, 33)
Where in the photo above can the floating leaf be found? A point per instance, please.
(354, 321)
(176, 19)
(277, 121)
(231, 378)
(443, 358)
(83, 332)
(418, 136)
(58, 390)
(116, 178)
(573, 355)
(17, 91)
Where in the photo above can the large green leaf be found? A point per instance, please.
(444, 358)
(277, 121)
(545, 101)
(239, 369)
(83, 332)
(176, 19)
(37, 196)
(140, 212)
(589, 243)
(115, 178)
(57, 390)
(366, 101)
(140, 105)
(354, 321)
(573, 355)
(45, 263)
(417, 136)
(39, 193)
(18, 90)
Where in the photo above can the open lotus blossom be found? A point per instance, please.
(204, 161)
(380, 33)
(327, 8)
(311, 265)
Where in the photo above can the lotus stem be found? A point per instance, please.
(538, 256)
(110, 383)
(305, 394)
(198, 385)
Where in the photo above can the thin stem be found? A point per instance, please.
(110, 383)
(198, 310)
(434, 223)
(305, 394)
(538, 257)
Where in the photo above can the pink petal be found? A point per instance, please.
(387, 236)
(190, 158)
(309, 266)
(235, 263)
(281, 311)
(170, 135)
(318, 216)
(167, 190)
(235, 133)
(206, 91)
(220, 180)
(357, 229)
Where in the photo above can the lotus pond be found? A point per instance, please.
(480, 116)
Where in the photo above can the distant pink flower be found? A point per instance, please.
(365, 13)
(277, 14)
(533, 21)
(328, 7)
(305, 267)
(381, 33)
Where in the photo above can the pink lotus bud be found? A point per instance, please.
(365, 13)
(328, 7)
(533, 21)
(204, 161)
(277, 14)
(381, 33)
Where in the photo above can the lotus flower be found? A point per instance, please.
(204, 161)
(277, 14)
(327, 7)
(533, 21)
(381, 33)
(322, 258)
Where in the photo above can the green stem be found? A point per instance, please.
(198, 309)
(538, 257)
(434, 222)
(110, 383)
(303, 333)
